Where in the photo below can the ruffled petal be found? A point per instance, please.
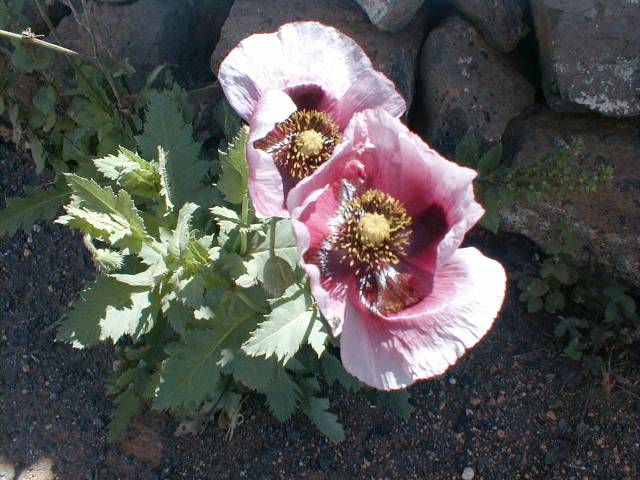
(266, 185)
(299, 53)
(372, 90)
(311, 227)
(422, 341)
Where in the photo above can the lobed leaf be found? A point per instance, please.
(23, 212)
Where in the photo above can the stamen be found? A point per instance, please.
(372, 231)
(301, 143)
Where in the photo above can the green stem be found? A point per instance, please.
(272, 236)
(35, 41)
(249, 303)
(245, 223)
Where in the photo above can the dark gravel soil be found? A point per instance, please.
(509, 409)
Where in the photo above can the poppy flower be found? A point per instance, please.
(298, 88)
(379, 228)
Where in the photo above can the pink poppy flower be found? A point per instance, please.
(298, 88)
(378, 229)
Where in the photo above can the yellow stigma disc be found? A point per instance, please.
(374, 229)
(309, 143)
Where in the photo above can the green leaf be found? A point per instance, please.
(165, 127)
(234, 177)
(98, 207)
(128, 405)
(534, 305)
(468, 150)
(398, 402)
(192, 370)
(554, 301)
(255, 373)
(285, 329)
(179, 315)
(107, 260)
(130, 171)
(317, 409)
(45, 100)
(285, 248)
(282, 395)
(39, 154)
(226, 118)
(318, 336)
(135, 319)
(81, 325)
(23, 212)
(277, 276)
(491, 219)
(537, 287)
(490, 160)
(334, 372)
(182, 234)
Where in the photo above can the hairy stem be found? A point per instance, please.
(41, 43)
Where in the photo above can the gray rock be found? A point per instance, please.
(395, 54)
(609, 218)
(148, 32)
(466, 84)
(390, 15)
(500, 21)
(590, 54)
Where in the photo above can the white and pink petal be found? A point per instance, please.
(424, 340)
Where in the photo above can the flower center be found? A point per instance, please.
(374, 229)
(301, 143)
(309, 143)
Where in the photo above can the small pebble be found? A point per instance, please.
(468, 473)
(452, 380)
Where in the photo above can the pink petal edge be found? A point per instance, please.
(394, 352)
(300, 53)
(265, 182)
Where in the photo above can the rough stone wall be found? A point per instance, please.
(529, 73)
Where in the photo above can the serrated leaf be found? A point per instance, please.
(179, 315)
(468, 150)
(282, 395)
(318, 336)
(23, 212)
(277, 276)
(81, 325)
(334, 372)
(107, 260)
(130, 171)
(398, 402)
(128, 405)
(284, 330)
(182, 233)
(135, 319)
(192, 370)
(490, 160)
(234, 176)
(115, 214)
(166, 188)
(255, 373)
(285, 248)
(317, 409)
(165, 127)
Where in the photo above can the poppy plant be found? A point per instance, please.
(379, 228)
(298, 88)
